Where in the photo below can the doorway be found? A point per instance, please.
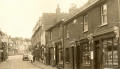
(72, 52)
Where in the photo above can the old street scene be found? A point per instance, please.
(60, 34)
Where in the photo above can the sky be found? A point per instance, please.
(18, 17)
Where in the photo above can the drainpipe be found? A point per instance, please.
(119, 34)
(63, 42)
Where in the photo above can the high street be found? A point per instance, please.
(16, 62)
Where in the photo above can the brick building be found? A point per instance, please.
(90, 37)
(55, 44)
(39, 35)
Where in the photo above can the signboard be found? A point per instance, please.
(116, 30)
(92, 55)
(1, 50)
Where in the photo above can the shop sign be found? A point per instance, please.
(90, 38)
(116, 30)
(91, 53)
(1, 50)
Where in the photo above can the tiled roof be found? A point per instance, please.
(83, 8)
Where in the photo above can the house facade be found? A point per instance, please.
(89, 39)
(39, 37)
(3, 46)
(55, 44)
(91, 36)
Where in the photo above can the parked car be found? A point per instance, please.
(25, 57)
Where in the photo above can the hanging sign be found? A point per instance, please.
(90, 38)
(116, 31)
(1, 50)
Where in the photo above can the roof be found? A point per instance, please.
(82, 9)
(58, 23)
(49, 20)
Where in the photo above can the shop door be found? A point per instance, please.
(56, 55)
(78, 60)
(97, 56)
(72, 48)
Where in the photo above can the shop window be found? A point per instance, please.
(67, 55)
(86, 54)
(110, 54)
(104, 14)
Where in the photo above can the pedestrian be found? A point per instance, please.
(33, 58)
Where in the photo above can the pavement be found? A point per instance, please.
(16, 62)
(43, 66)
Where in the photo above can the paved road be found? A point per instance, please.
(15, 62)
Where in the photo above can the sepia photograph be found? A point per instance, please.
(59, 34)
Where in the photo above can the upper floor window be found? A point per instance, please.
(67, 31)
(50, 35)
(85, 23)
(74, 21)
(60, 30)
(104, 14)
(68, 34)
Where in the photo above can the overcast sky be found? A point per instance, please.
(18, 17)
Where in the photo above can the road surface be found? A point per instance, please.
(16, 62)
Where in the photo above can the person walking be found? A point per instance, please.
(31, 58)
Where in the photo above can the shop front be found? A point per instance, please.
(106, 51)
(99, 51)
(84, 54)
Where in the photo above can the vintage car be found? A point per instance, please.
(25, 57)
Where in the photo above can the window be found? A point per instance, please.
(67, 54)
(50, 35)
(86, 54)
(85, 23)
(110, 54)
(104, 14)
(74, 21)
(67, 31)
(68, 34)
(60, 30)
